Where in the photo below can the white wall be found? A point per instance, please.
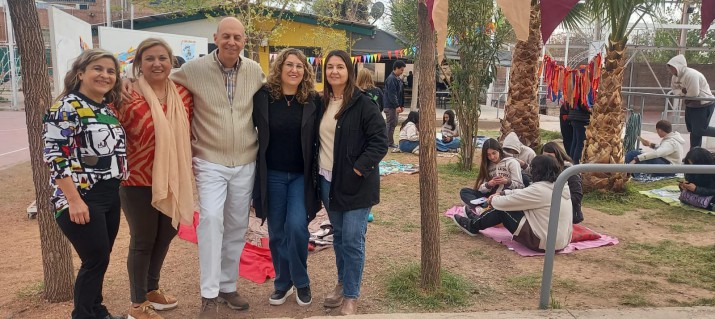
(197, 28)
(65, 34)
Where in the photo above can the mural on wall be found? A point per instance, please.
(123, 43)
(188, 50)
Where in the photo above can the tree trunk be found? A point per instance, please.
(521, 113)
(604, 144)
(426, 62)
(56, 254)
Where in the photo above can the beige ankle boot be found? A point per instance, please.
(335, 298)
(349, 307)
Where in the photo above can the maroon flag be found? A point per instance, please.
(430, 7)
(552, 13)
(708, 15)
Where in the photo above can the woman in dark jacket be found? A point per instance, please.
(285, 192)
(352, 143)
(575, 187)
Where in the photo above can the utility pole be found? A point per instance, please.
(684, 21)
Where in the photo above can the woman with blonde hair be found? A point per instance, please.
(285, 113)
(158, 195)
(366, 84)
(85, 148)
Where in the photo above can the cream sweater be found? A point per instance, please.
(221, 133)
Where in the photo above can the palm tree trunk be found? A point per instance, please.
(604, 143)
(521, 114)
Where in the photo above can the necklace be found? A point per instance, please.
(288, 101)
(335, 98)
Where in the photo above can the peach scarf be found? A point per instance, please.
(172, 188)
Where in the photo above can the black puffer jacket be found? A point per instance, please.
(360, 143)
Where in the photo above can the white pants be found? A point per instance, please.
(224, 203)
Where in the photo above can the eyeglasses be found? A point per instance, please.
(298, 67)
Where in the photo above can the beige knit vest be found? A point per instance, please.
(222, 133)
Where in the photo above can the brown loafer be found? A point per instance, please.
(335, 298)
(349, 307)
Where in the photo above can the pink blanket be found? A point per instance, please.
(503, 236)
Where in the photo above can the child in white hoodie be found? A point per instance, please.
(409, 134)
(525, 212)
(497, 172)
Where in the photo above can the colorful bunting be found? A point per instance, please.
(553, 13)
(707, 16)
(572, 86)
(518, 13)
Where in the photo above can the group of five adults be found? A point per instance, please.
(112, 144)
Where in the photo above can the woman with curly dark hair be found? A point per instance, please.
(525, 212)
(286, 114)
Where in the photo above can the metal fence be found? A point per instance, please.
(547, 275)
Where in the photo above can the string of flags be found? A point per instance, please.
(576, 86)
(366, 58)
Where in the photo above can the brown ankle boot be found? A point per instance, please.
(335, 298)
(349, 307)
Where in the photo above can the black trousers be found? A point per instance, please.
(493, 217)
(579, 137)
(93, 242)
(567, 134)
(469, 194)
(697, 120)
(151, 233)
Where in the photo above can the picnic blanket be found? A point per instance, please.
(503, 236)
(393, 166)
(256, 263)
(669, 194)
(646, 177)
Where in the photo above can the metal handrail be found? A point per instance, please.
(547, 274)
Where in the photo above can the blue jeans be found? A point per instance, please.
(408, 146)
(348, 242)
(288, 229)
(445, 147)
(630, 155)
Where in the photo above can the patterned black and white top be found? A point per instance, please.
(84, 140)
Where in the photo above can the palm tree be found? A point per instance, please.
(604, 143)
(521, 114)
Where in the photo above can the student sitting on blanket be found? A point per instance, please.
(525, 212)
(555, 150)
(450, 133)
(698, 189)
(522, 153)
(496, 173)
(669, 151)
(410, 135)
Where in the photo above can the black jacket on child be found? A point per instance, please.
(360, 143)
(309, 145)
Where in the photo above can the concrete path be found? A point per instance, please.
(13, 139)
(626, 313)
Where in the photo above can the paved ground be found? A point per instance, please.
(13, 138)
(628, 313)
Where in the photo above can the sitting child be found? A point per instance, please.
(698, 189)
(555, 150)
(525, 212)
(668, 152)
(496, 173)
(409, 134)
(450, 133)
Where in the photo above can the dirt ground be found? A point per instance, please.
(597, 278)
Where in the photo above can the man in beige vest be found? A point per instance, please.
(224, 146)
